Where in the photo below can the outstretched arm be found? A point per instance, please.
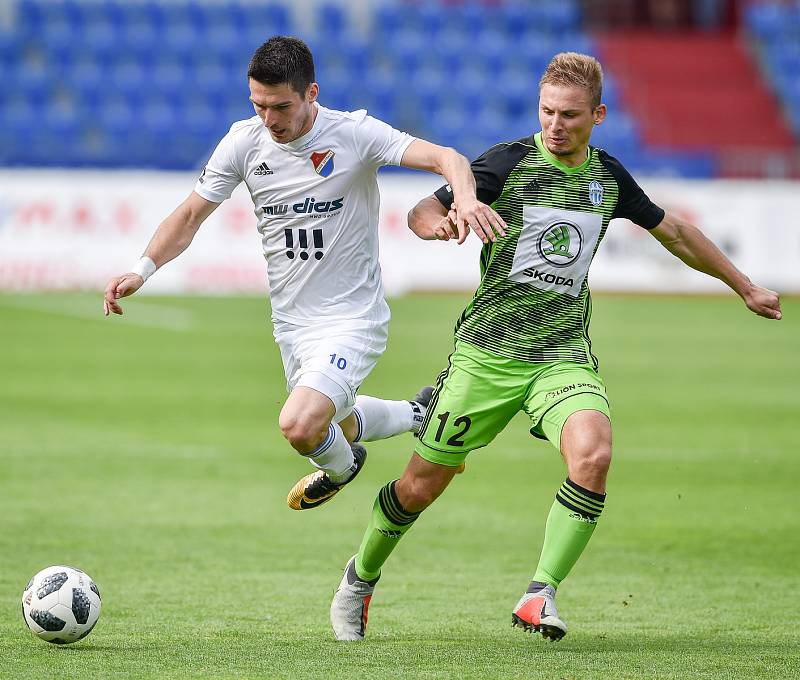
(429, 220)
(171, 238)
(469, 211)
(689, 244)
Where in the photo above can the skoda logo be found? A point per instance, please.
(560, 243)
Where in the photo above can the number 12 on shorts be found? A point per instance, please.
(463, 422)
(340, 363)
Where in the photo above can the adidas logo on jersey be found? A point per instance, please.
(263, 169)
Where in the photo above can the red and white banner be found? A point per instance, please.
(73, 230)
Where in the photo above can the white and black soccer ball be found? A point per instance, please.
(61, 605)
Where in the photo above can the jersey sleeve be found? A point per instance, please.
(379, 143)
(221, 174)
(633, 203)
(491, 169)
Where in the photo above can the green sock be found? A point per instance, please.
(390, 520)
(569, 527)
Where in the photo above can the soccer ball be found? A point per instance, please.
(61, 605)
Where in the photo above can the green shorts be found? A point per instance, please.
(480, 392)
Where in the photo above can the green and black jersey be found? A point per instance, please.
(533, 301)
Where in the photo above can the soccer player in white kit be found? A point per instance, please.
(311, 172)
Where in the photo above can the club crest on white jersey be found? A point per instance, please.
(322, 162)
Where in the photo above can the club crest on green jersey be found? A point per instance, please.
(595, 192)
(560, 243)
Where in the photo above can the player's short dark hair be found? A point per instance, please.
(283, 59)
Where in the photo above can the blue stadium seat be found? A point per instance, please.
(11, 46)
(10, 146)
(116, 114)
(166, 76)
(29, 13)
(140, 39)
(47, 149)
(92, 147)
(168, 15)
(17, 113)
(332, 20)
(381, 100)
(180, 40)
(99, 35)
(33, 71)
(795, 122)
(61, 116)
(491, 123)
(223, 40)
(124, 13)
(431, 85)
(87, 79)
(388, 19)
(610, 91)
(158, 115)
(266, 20)
(468, 19)
(785, 57)
(473, 84)
(211, 16)
(231, 110)
(406, 49)
(57, 35)
(129, 77)
(201, 120)
(618, 133)
(429, 19)
(336, 91)
(207, 74)
(516, 18)
(451, 49)
(765, 19)
(41, 13)
(573, 41)
(534, 54)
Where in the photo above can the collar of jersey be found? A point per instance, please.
(297, 144)
(557, 163)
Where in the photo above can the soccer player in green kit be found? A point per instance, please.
(522, 343)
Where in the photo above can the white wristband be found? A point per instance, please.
(145, 268)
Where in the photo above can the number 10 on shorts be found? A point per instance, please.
(340, 363)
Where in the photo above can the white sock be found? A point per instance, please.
(381, 418)
(334, 455)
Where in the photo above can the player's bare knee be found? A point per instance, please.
(590, 462)
(302, 433)
(599, 459)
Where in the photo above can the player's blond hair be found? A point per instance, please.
(572, 68)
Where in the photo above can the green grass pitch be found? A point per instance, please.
(145, 450)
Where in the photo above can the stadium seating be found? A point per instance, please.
(775, 27)
(155, 83)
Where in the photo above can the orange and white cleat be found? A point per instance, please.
(350, 605)
(536, 612)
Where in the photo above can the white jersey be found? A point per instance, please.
(316, 200)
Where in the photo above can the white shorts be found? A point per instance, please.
(334, 357)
